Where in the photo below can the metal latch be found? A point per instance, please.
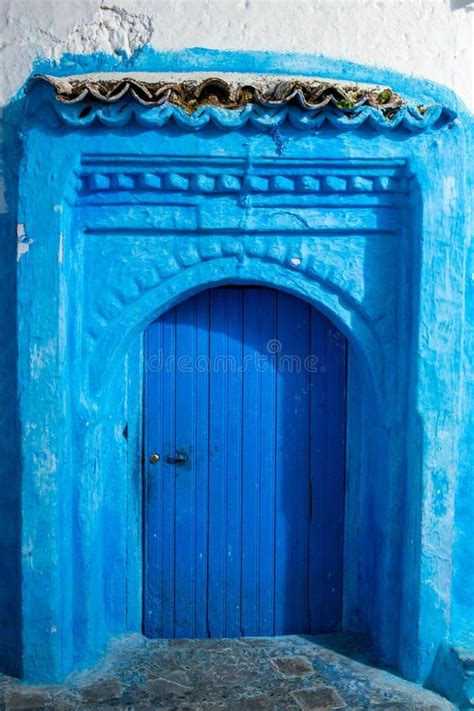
(177, 459)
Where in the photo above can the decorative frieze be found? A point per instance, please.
(214, 177)
(234, 183)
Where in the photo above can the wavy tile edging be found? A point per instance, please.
(121, 113)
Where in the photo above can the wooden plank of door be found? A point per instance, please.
(192, 324)
(258, 464)
(292, 499)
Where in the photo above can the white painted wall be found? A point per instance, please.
(428, 38)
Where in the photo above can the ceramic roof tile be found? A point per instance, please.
(194, 90)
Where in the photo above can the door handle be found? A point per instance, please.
(177, 459)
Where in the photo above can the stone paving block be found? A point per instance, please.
(258, 642)
(163, 687)
(318, 699)
(177, 677)
(293, 666)
(26, 698)
(250, 703)
(69, 702)
(101, 690)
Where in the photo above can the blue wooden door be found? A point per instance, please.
(245, 407)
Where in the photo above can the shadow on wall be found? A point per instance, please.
(10, 491)
(451, 677)
(462, 5)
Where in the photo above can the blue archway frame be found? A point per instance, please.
(403, 314)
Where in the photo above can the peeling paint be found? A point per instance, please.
(28, 548)
(47, 463)
(114, 30)
(23, 242)
(3, 204)
(61, 248)
(40, 356)
(450, 190)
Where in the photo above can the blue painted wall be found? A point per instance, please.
(399, 287)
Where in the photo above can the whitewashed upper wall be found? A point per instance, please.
(427, 38)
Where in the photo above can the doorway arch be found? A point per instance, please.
(367, 449)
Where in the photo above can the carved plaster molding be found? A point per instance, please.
(99, 174)
(234, 183)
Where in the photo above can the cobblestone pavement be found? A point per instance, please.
(253, 674)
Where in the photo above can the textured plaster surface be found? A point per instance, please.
(279, 674)
(427, 38)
